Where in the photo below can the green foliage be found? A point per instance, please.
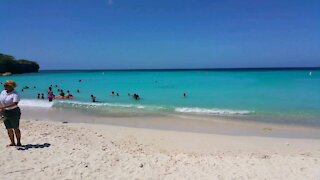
(9, 64)
(6, 57)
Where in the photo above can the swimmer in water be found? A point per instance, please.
(68, 95)
(136, 97)
(62, 93)
(93, 98)
(50, 94)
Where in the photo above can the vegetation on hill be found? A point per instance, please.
(8, 63)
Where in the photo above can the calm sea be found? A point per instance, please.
(284, 96)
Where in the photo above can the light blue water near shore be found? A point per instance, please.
(291, 96)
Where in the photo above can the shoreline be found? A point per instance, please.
(94, 151)
(118, 110)
(208, 125)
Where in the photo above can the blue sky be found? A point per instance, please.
(131, 34)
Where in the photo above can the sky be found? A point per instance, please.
(160, 34)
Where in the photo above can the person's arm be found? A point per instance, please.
(8, 106)
(16, 100)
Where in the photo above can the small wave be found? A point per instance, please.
(211, 111)
(35, 103)
(96, 104)
(116, 107)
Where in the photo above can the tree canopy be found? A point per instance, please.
(8, 63)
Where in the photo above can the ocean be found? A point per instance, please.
(277, 96)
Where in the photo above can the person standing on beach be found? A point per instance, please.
(9, 99)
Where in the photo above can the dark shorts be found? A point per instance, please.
(12, 118)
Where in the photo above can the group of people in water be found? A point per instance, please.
(42, 96)
(68, 95)
(135, 96)
(51, 95)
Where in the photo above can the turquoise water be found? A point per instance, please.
(291, 96)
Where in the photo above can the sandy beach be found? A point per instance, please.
(159, 90)
(56, 150)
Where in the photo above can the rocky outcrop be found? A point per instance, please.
(8, 64)
(6, 74)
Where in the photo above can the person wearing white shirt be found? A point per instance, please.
(9, 99)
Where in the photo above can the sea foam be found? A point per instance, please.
(205, 111)
(35, 103)
(97, 104)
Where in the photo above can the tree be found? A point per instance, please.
(9, 64)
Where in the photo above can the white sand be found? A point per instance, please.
(87, 151)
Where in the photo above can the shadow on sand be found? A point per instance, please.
(30, 146)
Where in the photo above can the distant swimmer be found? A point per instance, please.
(112, 93)
(68, 95)
(62, 93)
(42, 96)
(38, 95)
(93, 98)
(129, 94)
(78, 91)
(136, 97)
(34, 87)
(117, 94)
(184, 95)
(80, 80)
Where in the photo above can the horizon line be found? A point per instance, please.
(194, 69)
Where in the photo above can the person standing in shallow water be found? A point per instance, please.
(9, 99)
(93, 98)
(50, 94)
